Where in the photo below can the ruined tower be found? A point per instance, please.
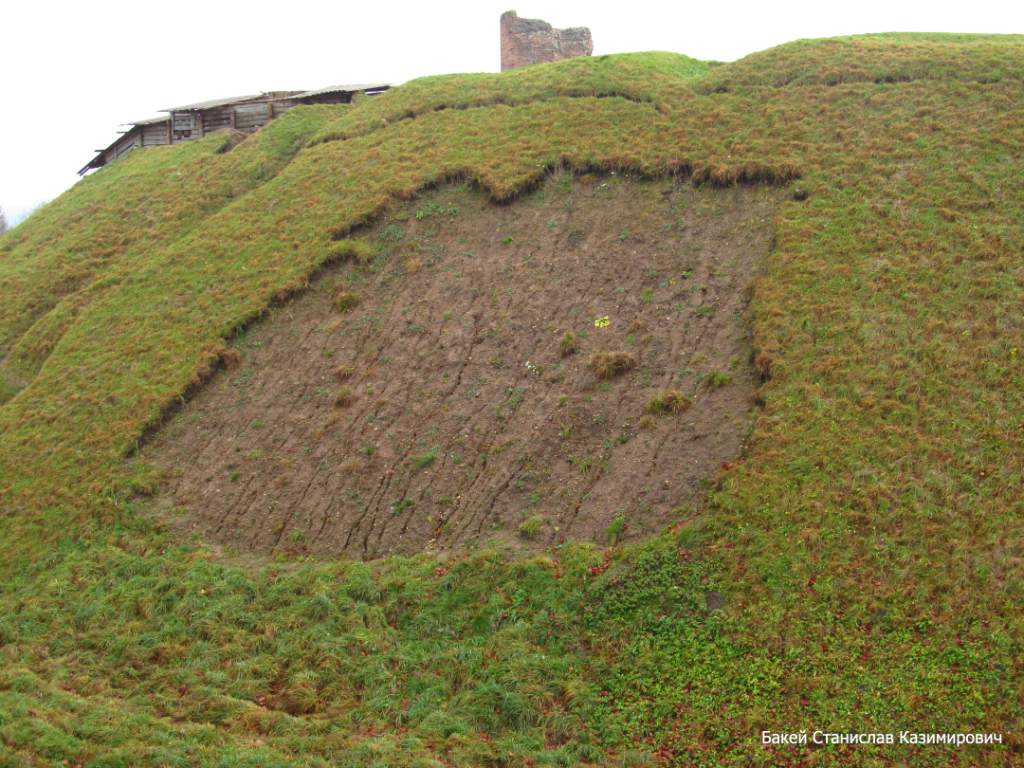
(532, 41)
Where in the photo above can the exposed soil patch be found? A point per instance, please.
(575, 365)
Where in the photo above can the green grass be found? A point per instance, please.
(866, 548)
(79, 247)
(425, 459)
(882, 59)
(531, 526)
(670, 401)
(646, 77)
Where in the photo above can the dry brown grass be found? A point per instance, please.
(344, 397)
(608, 365)
(669, 401)
(345, 301)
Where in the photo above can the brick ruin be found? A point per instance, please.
(532, 41)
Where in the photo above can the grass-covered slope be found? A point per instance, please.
(113, 221)
(866, 551)
(647, 77)
(887, 58)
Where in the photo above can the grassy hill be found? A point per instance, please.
(858, 569)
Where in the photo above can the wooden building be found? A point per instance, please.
(240, 113)
(144, 133)
(337, 94)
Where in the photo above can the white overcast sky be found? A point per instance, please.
(73, 71)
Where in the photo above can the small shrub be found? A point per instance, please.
(608, 365)
(531, 526)
(344, 372)
(346, 300)
(344, 397)
(668, 401)
(616, 529)
(717, 379)
(568, 344)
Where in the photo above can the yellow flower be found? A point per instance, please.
(602, 322)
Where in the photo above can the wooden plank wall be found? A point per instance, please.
(185, 126)
(253, 116)
(123, 146)
(154, 135)
(281, 106)
(217, 118)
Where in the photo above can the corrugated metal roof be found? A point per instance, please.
(214, 103)
(149, 121)
(99, 159)
(353, 88)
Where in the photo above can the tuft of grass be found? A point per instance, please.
(345, 301)
(616, 529)
(402, 505)
(530, 527)
(344, 372)
(514, 397)
(717, 379)
(344, 397)
(608, 365)
(425, 459)
(568, 345)
(668, 401)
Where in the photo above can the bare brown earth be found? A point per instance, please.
(442, 409)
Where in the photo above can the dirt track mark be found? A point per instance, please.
(467, 419)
